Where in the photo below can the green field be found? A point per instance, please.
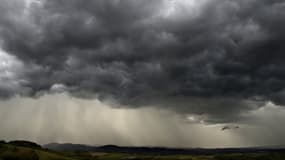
(20, 152)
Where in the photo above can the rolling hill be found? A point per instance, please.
(24, 150)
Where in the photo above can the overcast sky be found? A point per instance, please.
(143, 72)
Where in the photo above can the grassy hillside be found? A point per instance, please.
(13, 151)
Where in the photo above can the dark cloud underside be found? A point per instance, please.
(220, 58)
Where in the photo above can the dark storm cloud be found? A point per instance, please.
(229, 128)
(222, 60)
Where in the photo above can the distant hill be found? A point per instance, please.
(158, 150)
(25, 144)
(68, 147)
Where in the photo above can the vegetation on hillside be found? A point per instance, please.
(23, 150)
(25, 144)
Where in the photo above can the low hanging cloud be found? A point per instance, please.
(217, 58)
(229, 128)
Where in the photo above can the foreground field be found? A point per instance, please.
(23, 151)
(118, 156)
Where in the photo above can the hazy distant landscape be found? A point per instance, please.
(24, 150)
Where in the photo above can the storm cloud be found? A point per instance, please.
(215, 58)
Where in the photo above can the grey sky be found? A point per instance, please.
(220, 61)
